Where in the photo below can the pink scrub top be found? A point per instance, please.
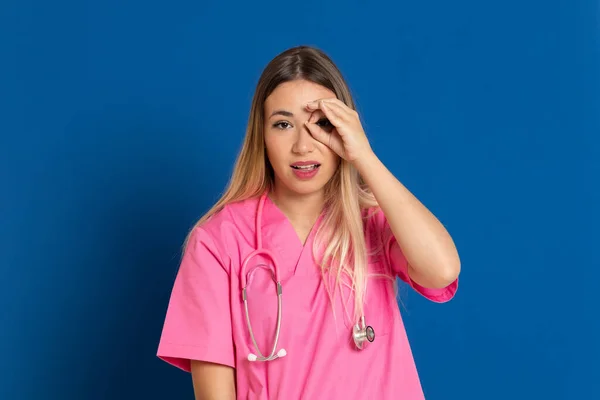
(205, 319)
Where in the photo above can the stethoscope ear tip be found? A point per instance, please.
(280, 353)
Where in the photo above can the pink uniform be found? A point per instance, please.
(206, 321)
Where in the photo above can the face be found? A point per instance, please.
(302, 165)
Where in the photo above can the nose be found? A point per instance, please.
(304, 143)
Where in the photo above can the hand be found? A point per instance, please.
(345, 134)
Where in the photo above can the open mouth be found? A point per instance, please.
(306, 167)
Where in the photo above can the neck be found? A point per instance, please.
(298, 206)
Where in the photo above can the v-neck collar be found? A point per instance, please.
(280, 236)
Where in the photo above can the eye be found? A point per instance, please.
(325, 124)
(282, 125)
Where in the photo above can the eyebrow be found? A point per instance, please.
(282, 112)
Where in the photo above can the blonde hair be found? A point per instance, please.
(347, 196)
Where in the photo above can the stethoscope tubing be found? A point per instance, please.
(359, 335)
(260, 356)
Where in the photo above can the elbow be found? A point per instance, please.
(449, 273)
(449, 269)
(445, 274)
(438, 277)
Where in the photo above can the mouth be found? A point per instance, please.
(306, 167)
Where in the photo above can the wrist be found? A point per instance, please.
(366, 162)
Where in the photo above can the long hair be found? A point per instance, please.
(340, 237)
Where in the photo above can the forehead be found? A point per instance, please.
(294, 95)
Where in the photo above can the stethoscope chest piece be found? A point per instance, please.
(360, 335)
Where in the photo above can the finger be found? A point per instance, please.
(341, 105)
(316, 104)
(318, 133)
(321, 113)
(336, 117)
(339, 108)
(334, 102)
(316, 116)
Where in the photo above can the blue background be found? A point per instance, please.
(120, 122)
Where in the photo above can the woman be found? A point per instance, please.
(334, 228)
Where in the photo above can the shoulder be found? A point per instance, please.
(233, 216)
(227, 227)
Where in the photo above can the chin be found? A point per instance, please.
(305, 188)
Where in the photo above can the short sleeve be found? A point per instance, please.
(399, 265)
(197, 324)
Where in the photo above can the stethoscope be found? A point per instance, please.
(360, 332)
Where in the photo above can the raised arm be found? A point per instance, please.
(433, 260)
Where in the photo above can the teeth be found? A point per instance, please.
(305, 166)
